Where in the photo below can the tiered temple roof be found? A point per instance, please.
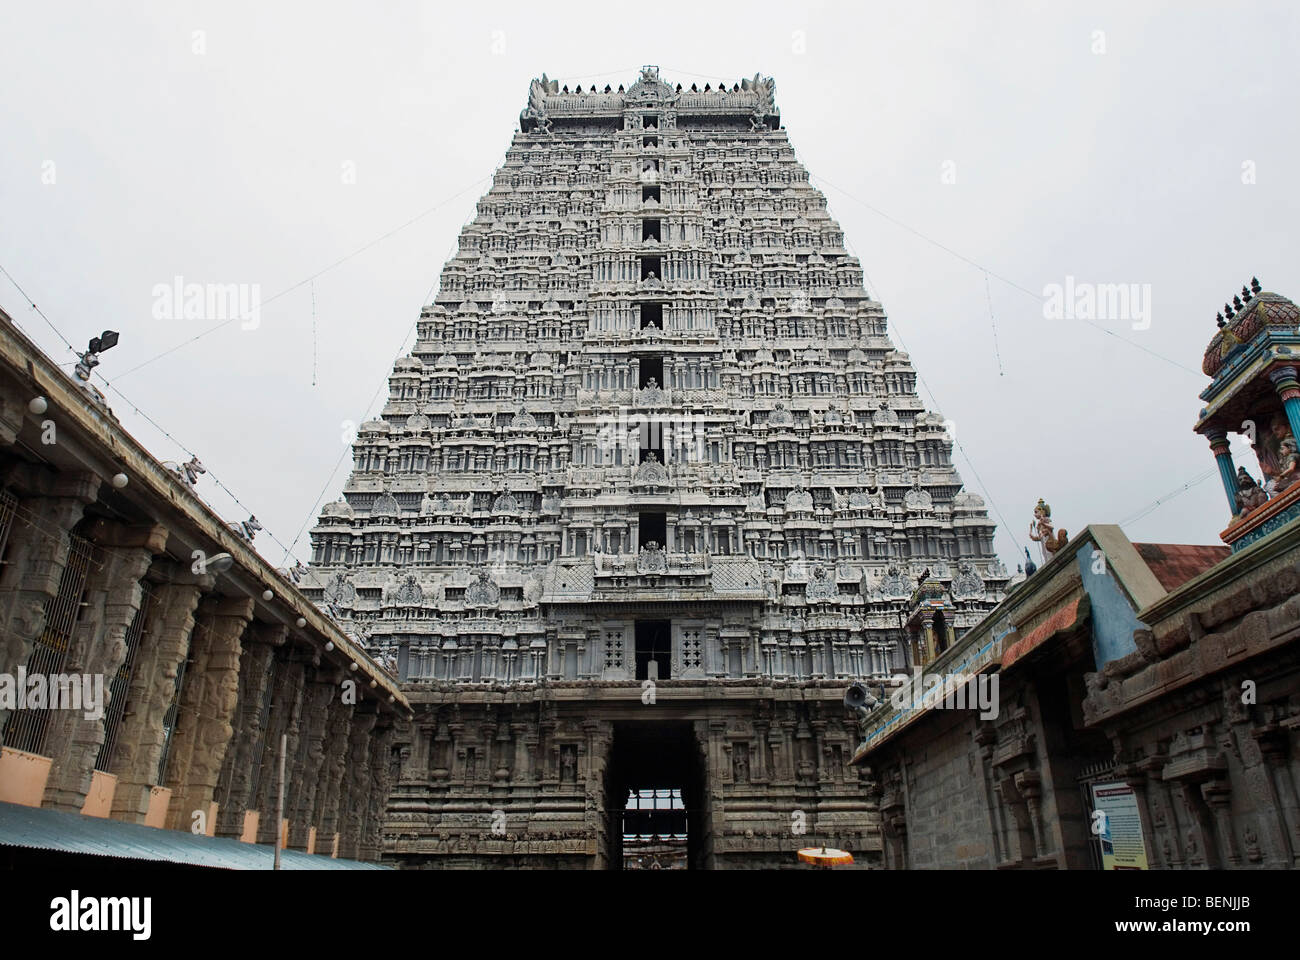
(651, 378)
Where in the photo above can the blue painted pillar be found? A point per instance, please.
(1288, 388)
(1219, 444)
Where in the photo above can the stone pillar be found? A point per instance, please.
(159, 659)
(1164, 824)
(37, 554)
(336, 754)
(1288, 388)
(356, 777)
(381, 782)
(1223, 458)
(97, 650)
(1272, 740)
(285, 720)
(1218, 796)
(243, 755)
(207, 707)
(320, 691)
(13, 414)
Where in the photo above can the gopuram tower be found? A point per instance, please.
(651, 489)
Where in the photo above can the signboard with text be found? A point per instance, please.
(1117, 824)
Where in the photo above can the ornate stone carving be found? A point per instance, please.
(482, 592)
(651, 559)
(967, 585)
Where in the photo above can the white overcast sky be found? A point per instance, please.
(227, 166)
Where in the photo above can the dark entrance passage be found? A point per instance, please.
(653, 645)
(655, 797)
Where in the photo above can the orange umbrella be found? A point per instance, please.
(825, 856)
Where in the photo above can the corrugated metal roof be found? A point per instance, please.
(45, 829)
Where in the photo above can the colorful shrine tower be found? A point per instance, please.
(1254, 360)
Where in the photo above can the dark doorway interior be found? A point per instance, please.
(654, 528)
(653, 643)
(652, 313)
(651, 368)
(655, 797)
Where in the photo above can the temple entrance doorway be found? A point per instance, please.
(655, 797)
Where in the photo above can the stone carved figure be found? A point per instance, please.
(247, 529)
(409, 592)
(1041, 531)
(968, 584)
(651, 559)
(340, 591)
(189, 471)
(821, 585)
(740, 761)
(895, 584)
(651, 471)
(482, 592)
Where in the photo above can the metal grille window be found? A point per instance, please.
(26, 727)
(654, 814)
(121, 682)
(8, 506)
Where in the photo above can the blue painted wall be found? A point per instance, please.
(1113, 616)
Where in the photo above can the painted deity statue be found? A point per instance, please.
(1249, 493)
(1288, 464)
(1041, 531)
(1271, 455)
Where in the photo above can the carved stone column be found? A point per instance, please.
(1164, 825)
(207, 707)
(321, 689)
(285, 720)
(97, 650)
(336, 752)
(1218, 794)
(1272, 740)
(36, 557)
(242, 756)
(161, 656)
(370, 845)
(355, 781)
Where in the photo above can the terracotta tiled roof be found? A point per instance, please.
(1176, 563)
